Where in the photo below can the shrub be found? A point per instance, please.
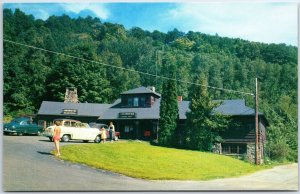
(293, 155)
(278, 150)
(7, 118)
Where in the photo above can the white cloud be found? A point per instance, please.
(263, 22)
(44, 10)
(98, 9)
(42, 14)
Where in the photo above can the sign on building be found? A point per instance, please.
(69, 112)
(127, 115)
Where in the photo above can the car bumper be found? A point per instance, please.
(6, 130)
(46, 134)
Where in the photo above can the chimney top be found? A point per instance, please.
(71, 95)
(179, 98)
(151, 88)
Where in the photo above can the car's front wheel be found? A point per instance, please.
(65, 138)
(97, 139)
(116, 138)
(50, 138)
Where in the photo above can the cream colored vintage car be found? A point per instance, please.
(74, 130)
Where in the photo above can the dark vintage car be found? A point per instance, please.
(100, 125)
(22, 125)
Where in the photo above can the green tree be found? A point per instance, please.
(168, 131)
(88, 77)
(173, 35)
(183, 43)
(282, 131)
(203, 125)
(119, 79)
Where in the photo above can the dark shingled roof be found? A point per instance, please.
(234, 108)
(84, 109)
(183, 107)
(143, 113)
(141, 90)
(228, 107)
(108, 111)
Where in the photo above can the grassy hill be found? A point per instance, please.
(142, 160)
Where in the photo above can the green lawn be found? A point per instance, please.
(142, 160)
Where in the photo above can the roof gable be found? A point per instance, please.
(141, 90)
(141, 112)
(235, 107)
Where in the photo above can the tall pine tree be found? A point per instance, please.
(203, 125)
(169, 116)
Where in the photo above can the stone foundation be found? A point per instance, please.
(250, 155)
(217, 148)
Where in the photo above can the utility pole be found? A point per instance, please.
(157, 61)
(256, 122)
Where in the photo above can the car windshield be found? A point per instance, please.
(92, 124)
(18, 120)
(85, 125)
(57, 120)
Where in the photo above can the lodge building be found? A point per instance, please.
(136, 115)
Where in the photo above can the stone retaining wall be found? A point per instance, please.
(217, 148)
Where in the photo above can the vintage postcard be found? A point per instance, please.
(150, 96)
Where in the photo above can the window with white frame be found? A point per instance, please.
(135, 101)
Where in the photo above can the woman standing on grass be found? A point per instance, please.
(56, 137)
(111, 131)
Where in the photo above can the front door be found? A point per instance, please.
(128, 131)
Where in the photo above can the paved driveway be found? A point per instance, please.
(28, 166)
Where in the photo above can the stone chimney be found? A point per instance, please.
(151, 88)
(71, 95)
(179, 98)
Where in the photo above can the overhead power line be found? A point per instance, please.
(127, 69)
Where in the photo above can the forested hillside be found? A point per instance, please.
(32, 75)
